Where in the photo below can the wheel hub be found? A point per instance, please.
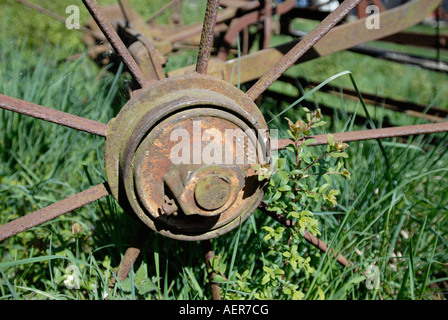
(179, 156)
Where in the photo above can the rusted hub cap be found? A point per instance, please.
(179, 156)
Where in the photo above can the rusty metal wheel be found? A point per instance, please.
(199, 198)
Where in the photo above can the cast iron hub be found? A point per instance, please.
(180, 154)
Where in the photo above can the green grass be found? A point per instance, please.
(393, 218)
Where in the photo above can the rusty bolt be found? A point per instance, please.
(212, 192)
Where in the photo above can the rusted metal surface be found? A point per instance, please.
(212, 192)
(116, 42)
(176, 13)
(361, 8)
(301, 48)
(126, 9)
(251, 17)
(147, 53)
(208, 256)
(183, 33)
(53, 211)
(267, 28)
(394, 20)
(147, 56)
(211, 13)
(139, 163)
(235, 27)
(254, 66)
(244, 69)
(52, 115)
(206, 190)
(372, 134)
(131, 255)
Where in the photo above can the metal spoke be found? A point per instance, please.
(131, 254)
(371, 134)
(125, 9)
(207, 35)
(52, 115)
(361, 9)
(116, 42)
(301, 48)
(53, 211)
(207, 249)
(267, 23)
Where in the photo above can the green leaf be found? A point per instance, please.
(346, 174)
(146, 286)
(307, 142)
(280, 163)
(318, 124)
(284, 188)
(126, 285)
(277, 237)
(296, 172)
(306, 109)
(284, 177)
(280, 229)
(276, 209)
(294, 214)
(339, 155)
(328, 178)
(276, 196)
(267, 269)
(141, 274)
(219, 278)
(268, 229)
(297, 295)
(290, 195)
(265, 279)
(324, 188)
(291, 148)
(333, 192)
(330, 139)
(279, 271)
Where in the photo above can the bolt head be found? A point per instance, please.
(212, 192)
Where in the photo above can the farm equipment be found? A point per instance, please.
(201, 200)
